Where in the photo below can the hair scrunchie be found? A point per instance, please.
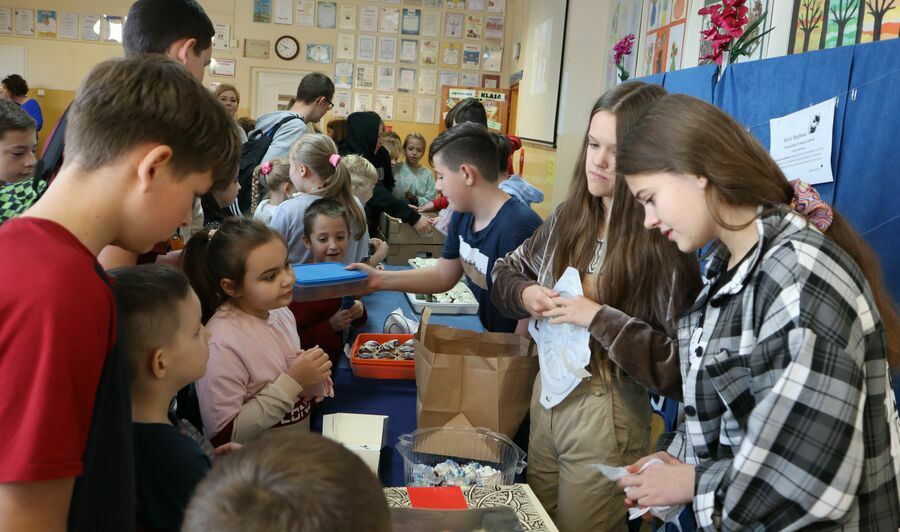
(334, 159)
(266, 168)
(808, 203)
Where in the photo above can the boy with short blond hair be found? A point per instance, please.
(143, 138)
(295, 482)
(363, 178)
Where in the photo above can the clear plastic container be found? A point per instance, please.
(327, 280)
(433, 446)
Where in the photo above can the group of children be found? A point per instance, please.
(780, 352)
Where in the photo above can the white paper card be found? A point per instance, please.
(801, 143)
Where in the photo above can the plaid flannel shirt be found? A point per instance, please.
(788, 415)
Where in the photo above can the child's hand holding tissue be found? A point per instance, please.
(658, 485)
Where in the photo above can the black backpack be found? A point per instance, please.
(252, 153)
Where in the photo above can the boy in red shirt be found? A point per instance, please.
(143, 139)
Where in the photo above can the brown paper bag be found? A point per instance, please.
(471, 379)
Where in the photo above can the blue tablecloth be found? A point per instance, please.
(393, 398)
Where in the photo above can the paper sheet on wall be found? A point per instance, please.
(563, 348)
(68, 25)
(425, 110)
(25, 22)
(801, 143)
(305, 13)
(284, 12)
(6, 24)
(222, 38)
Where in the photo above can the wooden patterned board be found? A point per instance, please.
(519, 497)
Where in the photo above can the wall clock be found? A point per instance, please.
(287, 47)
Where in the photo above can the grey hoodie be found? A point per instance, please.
(286, 135)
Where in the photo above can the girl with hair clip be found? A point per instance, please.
(275, 178)
(317, 171)
(257, 377)
(635, 283)
(789, 420)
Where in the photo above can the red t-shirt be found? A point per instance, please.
(57, 325)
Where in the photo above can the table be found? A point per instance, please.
(519, 497)
(393, 398)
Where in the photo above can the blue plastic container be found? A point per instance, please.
(327, 280)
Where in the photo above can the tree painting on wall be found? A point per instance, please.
(820, 24)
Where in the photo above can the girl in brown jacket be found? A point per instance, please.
(635, 283)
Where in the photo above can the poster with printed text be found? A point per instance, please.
(453, 25)
(428, 54)
(471, 56)
(341, 103)
(493, 28)
(346, 42)
(284, 12)
(368, 18)
(46, 23)
(343, 75)
(362, 101)
(475, 5)
(490, 81)
(404, 108)
(499, 6)
(384, 106)
(409, 51)
(492, 58)
(326, 15)
(6, 20)
(474, 25)
(425, 108)
(431, 24)
(68, 25)
(262, 11)
(428, 81)
(411, 21)
(456, 4)
(222, 38)
(470, 79)
(365, 76)
(90, 27)
(347, 17)
(25, 22)
(386, 77)
(390, 20)
(407, 81)
(450, 54)
(365, 50)
(387, 49)
(306, 10)
(449, 78)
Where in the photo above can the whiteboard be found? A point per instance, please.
(12, 61)
(539, 88)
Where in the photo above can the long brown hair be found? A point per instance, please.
(643, 274)
(315, 150)
(209, 259)
(684, 135)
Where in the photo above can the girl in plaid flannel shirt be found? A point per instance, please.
(789, 420)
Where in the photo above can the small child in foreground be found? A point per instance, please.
(290, 482)
(167, 349)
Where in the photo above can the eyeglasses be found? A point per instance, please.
(330, 105)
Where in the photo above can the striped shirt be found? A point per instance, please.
(787, 412)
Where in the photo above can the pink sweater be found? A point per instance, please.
(246, 389)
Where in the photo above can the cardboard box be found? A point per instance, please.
(399, 254)
(363, 434)
(398, 232)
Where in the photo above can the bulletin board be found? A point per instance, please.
(495, 101)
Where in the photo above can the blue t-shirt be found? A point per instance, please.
(513, 224)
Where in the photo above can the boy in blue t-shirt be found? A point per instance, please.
(487, 224)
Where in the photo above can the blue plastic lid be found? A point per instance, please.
(325, 273)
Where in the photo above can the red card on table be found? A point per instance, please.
(444, 498)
